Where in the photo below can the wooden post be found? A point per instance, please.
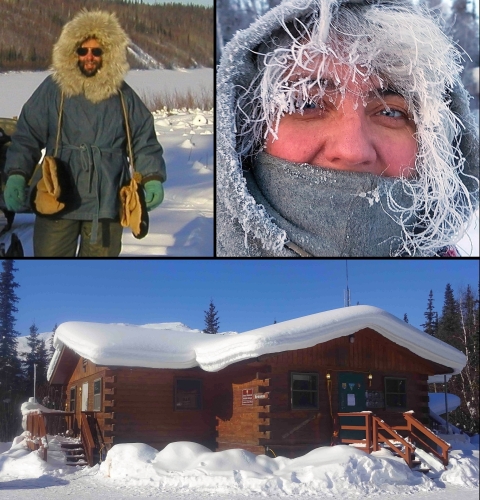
(368, 431)
(375, 435)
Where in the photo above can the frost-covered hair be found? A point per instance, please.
(398, 47)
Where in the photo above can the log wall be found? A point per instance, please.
(138, 403)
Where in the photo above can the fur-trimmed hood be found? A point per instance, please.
(106, 29)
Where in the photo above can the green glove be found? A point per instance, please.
(153, 194)
(15, 195)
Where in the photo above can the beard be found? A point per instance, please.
(92, 67)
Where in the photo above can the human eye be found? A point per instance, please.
(310, 104)
(392, 113)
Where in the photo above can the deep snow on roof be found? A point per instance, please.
(170, 346)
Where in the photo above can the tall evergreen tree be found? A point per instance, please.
(466, 385)
(431, 324)
(42, 363)
(212, 322)
(8, 300)
(11, 377)
(449, 324)
(31, 358)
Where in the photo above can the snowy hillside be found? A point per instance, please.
(142, 57)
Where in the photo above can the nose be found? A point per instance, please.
(348, 143)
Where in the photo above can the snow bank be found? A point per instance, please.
(463, 468)
(127, 345)
(436, 402)
(331, 471)
(185, 468)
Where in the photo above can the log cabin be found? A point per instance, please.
(286, 388)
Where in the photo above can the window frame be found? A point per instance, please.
(309, 391)
(388, 393)
(199, 396)
(99, 395)
(73, 400)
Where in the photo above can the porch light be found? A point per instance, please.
(328, 376)
(370, 377)
(352, 339)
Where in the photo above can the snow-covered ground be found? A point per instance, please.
(191, 471)
(183, 225)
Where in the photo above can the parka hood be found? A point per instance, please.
(447, 134)
(106, 29)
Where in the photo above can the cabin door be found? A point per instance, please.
(351, 398)
(85, 396)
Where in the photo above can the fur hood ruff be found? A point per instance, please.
(106, 29)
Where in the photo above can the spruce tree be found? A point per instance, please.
(42, 363)
(8, 299)
(31, 358)
(11, 376)
(466, 384)
(212, 322)
(449, 323)
(431, 324)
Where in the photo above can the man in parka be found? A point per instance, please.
(89, 66)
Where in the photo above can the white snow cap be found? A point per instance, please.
(127, 345)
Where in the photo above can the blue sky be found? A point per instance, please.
(247, 293)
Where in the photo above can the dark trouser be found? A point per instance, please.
(59, 238)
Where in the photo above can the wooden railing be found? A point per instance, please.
(41, 424)
(38, 434)
(378, 426)
(58, 423)
(418, 432)
(87, 439)
(367, 428)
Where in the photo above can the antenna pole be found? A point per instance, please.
(347, 294)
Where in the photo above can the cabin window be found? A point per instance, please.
(97, 395)
(304, 387)
(73, 397)
(188, 394)
(395, 393)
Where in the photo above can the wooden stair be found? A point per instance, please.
(416, 464)
(75, 454)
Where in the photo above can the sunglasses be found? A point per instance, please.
(83, 51)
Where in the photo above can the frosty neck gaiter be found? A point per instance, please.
(329, 213)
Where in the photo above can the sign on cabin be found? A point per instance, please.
(375, 399)
(247, 397)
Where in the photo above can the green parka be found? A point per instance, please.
(93, 138)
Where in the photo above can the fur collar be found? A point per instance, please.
(105, 27)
